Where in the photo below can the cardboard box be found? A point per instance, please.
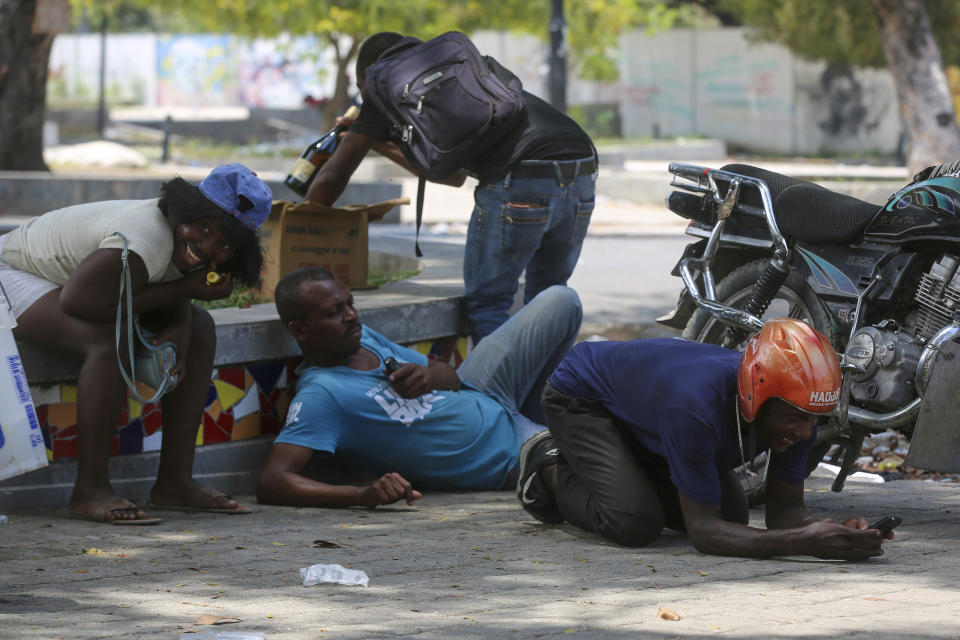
(314, 235)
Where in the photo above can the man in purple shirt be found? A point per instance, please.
(646, 434)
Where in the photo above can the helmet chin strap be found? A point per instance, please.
(743, 459)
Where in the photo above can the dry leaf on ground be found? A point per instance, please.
(325, 544)
(209, 618)
(665, 614)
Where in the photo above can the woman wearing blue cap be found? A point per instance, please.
(60, 272)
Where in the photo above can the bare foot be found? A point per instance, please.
(193, 497)
(109, 508)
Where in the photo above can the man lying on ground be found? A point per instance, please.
(425, 425)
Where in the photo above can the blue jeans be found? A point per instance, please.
(504, 239)
(514, 361)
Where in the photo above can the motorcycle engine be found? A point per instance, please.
(938, 296)
(888, 358)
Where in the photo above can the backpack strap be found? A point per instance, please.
(420, 188)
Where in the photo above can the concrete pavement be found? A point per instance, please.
(471, 565)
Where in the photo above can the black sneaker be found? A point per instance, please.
(534, 494)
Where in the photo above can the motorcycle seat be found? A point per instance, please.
(806, 211)
(811, 213)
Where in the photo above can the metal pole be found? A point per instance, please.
(102, 107)
(558, 57)
(167, 128)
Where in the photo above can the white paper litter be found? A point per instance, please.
(333, 573)
(858, 476)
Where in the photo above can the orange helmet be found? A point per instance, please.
(791, 361)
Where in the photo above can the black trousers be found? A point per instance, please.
(608, 483)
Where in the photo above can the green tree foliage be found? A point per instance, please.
(839, 31)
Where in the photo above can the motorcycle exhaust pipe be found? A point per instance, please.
(884, 421)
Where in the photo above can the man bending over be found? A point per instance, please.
(645, 435)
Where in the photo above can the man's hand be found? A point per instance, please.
(346, 121)
(848, 541)
(859, 522)
(792, 534)
(389, 489)
(412, 380)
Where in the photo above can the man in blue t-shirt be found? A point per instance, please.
(424, 424)
(646, 434)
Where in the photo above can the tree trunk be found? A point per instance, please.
(339, 100)
(27, 29)
(926, 105)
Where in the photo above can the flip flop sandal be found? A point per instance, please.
(117, 504)
(210, 494)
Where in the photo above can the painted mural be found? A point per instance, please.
(190, 70)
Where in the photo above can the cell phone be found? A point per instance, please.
(390, 365)
(886, 523)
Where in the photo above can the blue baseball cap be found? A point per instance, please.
(227, 184)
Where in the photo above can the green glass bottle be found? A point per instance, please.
(313, 157)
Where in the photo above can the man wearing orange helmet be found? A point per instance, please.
(646, 434)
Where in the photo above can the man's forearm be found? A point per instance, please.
(292, 489)
(324, 190)
(732, 539)
(443, 376)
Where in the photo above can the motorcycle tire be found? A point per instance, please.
(794, 299)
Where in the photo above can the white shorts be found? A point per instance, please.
(22, 289)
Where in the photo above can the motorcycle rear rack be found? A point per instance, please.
(703, 180)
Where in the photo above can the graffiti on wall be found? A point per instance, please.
(846, 106)
(197, 69)
(190, 70)
(743, 84)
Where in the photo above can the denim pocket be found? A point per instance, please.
(521, 228)
(582, 221)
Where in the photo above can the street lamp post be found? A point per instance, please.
(557, 78)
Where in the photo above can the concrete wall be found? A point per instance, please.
(715, 83)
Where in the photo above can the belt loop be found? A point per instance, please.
(506, 179)
(556, 169)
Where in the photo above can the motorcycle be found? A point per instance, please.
(881, 282)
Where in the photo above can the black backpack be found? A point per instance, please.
(446, 103)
